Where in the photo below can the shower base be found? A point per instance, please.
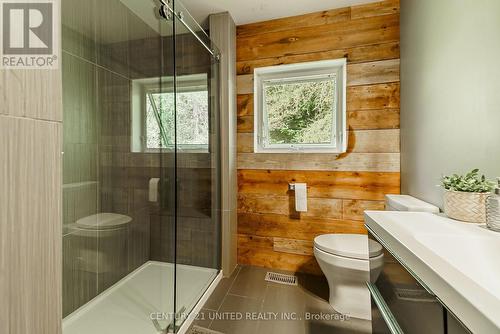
(129, 306)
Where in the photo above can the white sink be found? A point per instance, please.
(459, 262)
(476, 257)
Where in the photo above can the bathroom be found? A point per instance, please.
(196, 166)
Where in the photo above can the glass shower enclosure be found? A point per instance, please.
(141, 175)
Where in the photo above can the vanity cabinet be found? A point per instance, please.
(401, 302)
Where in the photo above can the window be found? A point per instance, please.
(301, 108)
(153, 114)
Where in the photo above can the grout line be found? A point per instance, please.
(25, 118)
(261, 308)
(241, 296)
(225, 295)
(95, 64)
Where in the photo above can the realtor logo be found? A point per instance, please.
(29, 36)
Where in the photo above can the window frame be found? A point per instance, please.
(300, 72)
(143, 87)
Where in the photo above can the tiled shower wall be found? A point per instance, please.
(100, 174)
(101, 55)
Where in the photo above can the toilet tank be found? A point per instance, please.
(408, 203)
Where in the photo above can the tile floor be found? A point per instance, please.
(246, 294)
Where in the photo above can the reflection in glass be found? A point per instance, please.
(141, 169)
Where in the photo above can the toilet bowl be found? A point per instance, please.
(104, 242)
(346, 259)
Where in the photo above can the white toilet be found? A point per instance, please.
(346, 259)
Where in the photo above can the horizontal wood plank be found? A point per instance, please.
(244, 84)
(373, 119)
(244, 123)
(346, 34)
(253, 241)
(383, 71)
(387, 7)
(277, 260)
(330, 208)
(320, 184)
(373, 141)
(362, 141)
(357, 74)
(367, 97)
(354, 209)
(299, 21)
(244, 142)
(381, 96)
(293, 246)
(245, 105)
(362, 54)
(362, 162)
(270, 225)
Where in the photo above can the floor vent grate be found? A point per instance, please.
(281, 278)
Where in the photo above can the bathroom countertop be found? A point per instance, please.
(459, 262)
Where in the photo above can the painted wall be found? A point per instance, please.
(340, 188)
(450, 83)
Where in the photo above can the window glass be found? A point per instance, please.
(192, 119)
(301, 111)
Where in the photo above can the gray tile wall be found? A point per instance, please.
(100, 172)
(30, 197)
(96, 77)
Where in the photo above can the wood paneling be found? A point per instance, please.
(362, 141)
(269, 225)
(284, 261)
(302, 21)
(354, 209)
(373, 72)
(245, 105)
(340, 187)
(373, 119)
(360, 54)
(245, 124)
(330, 208)
(375, 9)
(376, 72)
(368, 97)
(363, 162)
(343, 185)
(293, 246)
(346, 34)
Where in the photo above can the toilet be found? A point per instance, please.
(346, 259)
(104, 240)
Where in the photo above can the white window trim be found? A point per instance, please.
(337, 67)
(185, 83)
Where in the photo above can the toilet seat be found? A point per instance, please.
(103, 221)
(348, 245)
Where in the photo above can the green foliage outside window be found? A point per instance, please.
(192, 119)
(300, 112)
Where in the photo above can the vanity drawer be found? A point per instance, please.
(400, 302)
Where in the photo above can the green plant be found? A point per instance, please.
(470, 182)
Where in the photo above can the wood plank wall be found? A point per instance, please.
(340, 188)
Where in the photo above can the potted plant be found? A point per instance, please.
(465, 196)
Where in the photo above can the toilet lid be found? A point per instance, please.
(348, 245)
(103, 221)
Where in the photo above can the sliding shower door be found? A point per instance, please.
(141, 234)
(119, 167)
(197, 162)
